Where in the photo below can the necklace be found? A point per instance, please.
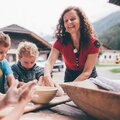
(75, 50)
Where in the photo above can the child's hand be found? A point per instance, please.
(20, 84)
(2, 96)
(15, 95)
(26, 91)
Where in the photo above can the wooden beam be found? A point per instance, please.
(41, 40)
(116, 2)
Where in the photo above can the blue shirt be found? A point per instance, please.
(5, 70)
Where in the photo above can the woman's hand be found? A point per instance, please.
(45, 81)
(60, 91)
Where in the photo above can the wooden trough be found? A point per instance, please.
(99, 103)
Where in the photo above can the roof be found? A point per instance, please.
(116, 2)
(15, 29)
(105, 47)
(18, 29)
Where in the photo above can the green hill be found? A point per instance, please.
(111, 37)
(108, 30)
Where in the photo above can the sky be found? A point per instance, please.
(41, 16)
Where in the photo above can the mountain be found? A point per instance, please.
(108, 30)
(107, 22)
(111, 37)
(48, 38)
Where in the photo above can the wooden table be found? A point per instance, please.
(58, 109)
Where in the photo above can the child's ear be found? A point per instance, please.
(19, 57)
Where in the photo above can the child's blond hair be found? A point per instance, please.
(5, 40)
(28, 49)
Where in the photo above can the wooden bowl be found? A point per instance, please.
(43, 94)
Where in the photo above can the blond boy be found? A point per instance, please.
(26, 69)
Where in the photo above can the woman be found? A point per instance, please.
(77, 44)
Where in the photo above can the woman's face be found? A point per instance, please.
(71, 22)
(27, 61)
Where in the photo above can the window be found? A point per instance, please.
(11, 57)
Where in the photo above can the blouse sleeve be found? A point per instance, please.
(58, 45)
(94, 46)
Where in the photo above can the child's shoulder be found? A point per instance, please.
(38, 69)
(14, 66)
(4, 62)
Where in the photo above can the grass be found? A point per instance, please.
(116, 70)
(108, 65)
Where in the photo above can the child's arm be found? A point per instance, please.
(8, 72)
(21, 96)
(2, 102)
(16, 113)
(10, 79)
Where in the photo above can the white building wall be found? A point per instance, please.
(109, 56)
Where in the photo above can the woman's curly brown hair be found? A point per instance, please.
(86, 29)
